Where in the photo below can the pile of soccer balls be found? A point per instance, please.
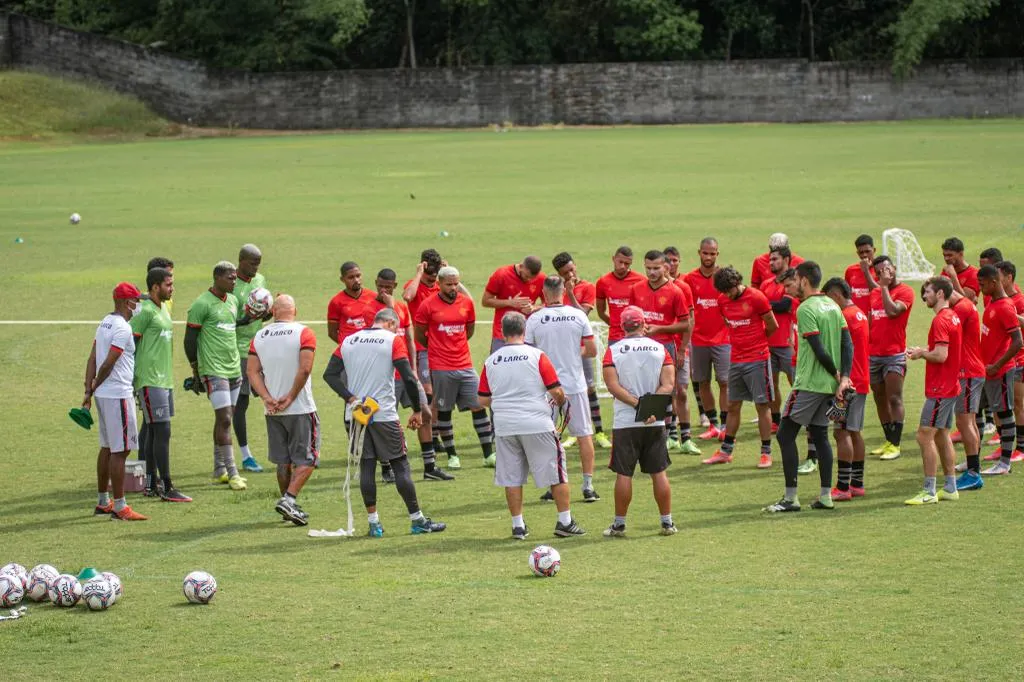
(46, 583)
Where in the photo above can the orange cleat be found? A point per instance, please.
(842, 495)
(712, 433)
(718, 458)
(128, 514)
(765, 462)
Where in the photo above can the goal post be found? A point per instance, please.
(601, 340)
(907, 255)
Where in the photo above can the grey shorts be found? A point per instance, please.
(403, 398)
(683, 371)
(456, 388)
(539, 454)
(854, 414)
(422, 367)
(383, 441)
(703, 358)
(294, 439)
(157, 404)
(880, 365)
(244, 389)
(751, 382)
(118, 425)
(496, 344)
(222, 392)
(782, 361)
(937, 413)
(643, 445)
(999, 392)
(807, 408)
(970, 395)
(580, 423)
(588, 371)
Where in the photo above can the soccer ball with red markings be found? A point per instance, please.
(18, 571)
(199, 587)
(65, 590)
(545, 561)
(115, 583)
(11, 591)
(258, 303)
(39, 580)
(98, 594)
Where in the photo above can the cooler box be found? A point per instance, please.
(134, 476)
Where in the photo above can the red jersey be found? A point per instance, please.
(860, 294)
(889, 334)
(942, 379)
(776, 291)
(997, 323)
(761, 271)
(688, 301)
(746, 328)
(708, 324)
(662, 306)
(971, 366)
(446, 324)
(423, 292)
(351, 313)
(586, 294)
(506, 284)
(968, 278)
(616, 292)
(1018, 304)
(857, 323)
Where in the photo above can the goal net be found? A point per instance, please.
(906, 254)
(601, 339)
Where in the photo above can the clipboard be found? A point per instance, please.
(653, 405)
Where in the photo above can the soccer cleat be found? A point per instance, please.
(237, 483)
(841, 495)
(569, 442)
(671, 444)
(387, 475)
(105, 510)
(221, 478)
(808, 466)
(997, 469)
(721, 435)
(614, 531)
(783, 505)
(891, 452)
(376, 530)
(775, 428)
(704, 421)
(127, 514)
(946, 496)
(857, 491)
(711, 434)
(601, 440)
(291, 511)
(669, 528)
(970, 480)
(437, 474)
(155, 490)
(453, 462)
(174, 495)
(569, 530)
(718, 458)
(956, 437)
(547, 497)
(994, 455)
(250, 464)
(880, 450)
(765, 462)
(424, 525)
(823, 502)
(994, 440)
(961, 467)
(923, 497)
(688, 447)
(520, 533)
(1017, 456)
(990, 427)
(490, 461)
(590, 495)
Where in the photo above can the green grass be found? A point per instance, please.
(872, 590)
(33, 106)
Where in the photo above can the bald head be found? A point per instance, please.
(284, 308)
(250, 252)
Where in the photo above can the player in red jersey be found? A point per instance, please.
(861, 275)
(761, 270)
(985, 420)
(890, 308)
(664, 305)
(678, 420)
(513, 287)
(346, 313)
(780, 344)
(1008, 273)
(972, 380)
(709, 338)
(612, 290)
(963, 276)
(941, 391)
(751, 323)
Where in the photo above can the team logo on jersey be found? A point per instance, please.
(877, 313)
(707, 303)
(745, 308)
(498, 359)
(860, 293)
(621, 302)
(364, 338)
(226, 327)
(452, 329)
(651, 315)
(276, 332)
(662, 300)
(357, 322)
(556, 318)
(738, 323)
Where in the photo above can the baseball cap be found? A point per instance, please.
(126, 290)
(632, 318)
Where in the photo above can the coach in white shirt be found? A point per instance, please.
(522, 388)
(564, 334)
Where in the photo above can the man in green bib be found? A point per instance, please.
(212, 350)
(249, 279)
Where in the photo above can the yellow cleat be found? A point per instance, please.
(237, 483)
(890, 452)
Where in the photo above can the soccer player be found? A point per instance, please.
(941, 389)
(347, 310)
(421, 287)
(582, 295)
(154, 381)
(823, 337)
(212, 351)
(279, 362)
(514, 287)
(709, 338)
(780, 344)
(750, 320)
(847, 433)
(678, 420)
(249, 280)
(1008, 273)
(613, 289)
(963, 275)
(364, 365)
(168, 265)
(861, 276)
(986, 422)
(634, 368)
(519, 383)
(761, 270)
(1000, 343)
(564, 334)
(108, 378)
(890, 308)
(972, 380)
(444, 324)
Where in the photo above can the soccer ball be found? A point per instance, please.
(199, 587)
(98, 594)
(39, 580)
(65, 590)
(545, 561)
(18, 571)
(75, 218)
(11, 591)
(115, 583)
(258, 303)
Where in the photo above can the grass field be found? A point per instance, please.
(872, 590)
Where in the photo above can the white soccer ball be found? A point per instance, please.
(75, 218)
(98, 594)
(39, 580)
(199, 587)
(258, 303)
(65, 590)
(545, 561)
(11, 591)
(18, 571)
(115, 583)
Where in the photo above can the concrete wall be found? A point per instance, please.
(677, 92)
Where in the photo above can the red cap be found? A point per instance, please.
(126, 290)
(632, 318)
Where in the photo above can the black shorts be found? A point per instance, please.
(643, 444)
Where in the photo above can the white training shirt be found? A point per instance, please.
(278, 346)
(517, 379)
(115, 332)
(559, 331)
(370, 356)
(638, 361)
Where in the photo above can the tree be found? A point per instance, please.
(922, 20)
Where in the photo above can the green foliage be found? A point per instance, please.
(922, 20)
(655, 29)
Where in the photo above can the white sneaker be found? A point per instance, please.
(704, 421)
(997, 469)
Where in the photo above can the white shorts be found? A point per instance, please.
(118, 426)
(538, 453)
(580, 423)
